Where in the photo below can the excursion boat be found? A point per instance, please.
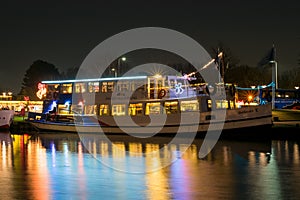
(145, 105)
(6, 118)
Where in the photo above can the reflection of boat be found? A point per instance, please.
(6, 118)
(5, 137)
(145, 104)
(97, 145)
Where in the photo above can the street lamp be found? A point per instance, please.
(115, 71)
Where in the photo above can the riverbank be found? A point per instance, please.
(286, 124)
(286, 115)
(286, 118)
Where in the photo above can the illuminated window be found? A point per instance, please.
(231, 104)
(90, 109)
(118, 110)
(107, 87)
(104, 109)
(135, 109)
(221, 104)
(186, 106)
(104, 87)
(171, 107)
(123, 85)
(77, 109)
(209, 104)
(66, 88)
(80, 87)
(93, 86)
(152, 108)
(63, 109)
(110, 86)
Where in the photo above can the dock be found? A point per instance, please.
(286, 124)
(285, 118)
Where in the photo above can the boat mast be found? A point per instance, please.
(220, 65)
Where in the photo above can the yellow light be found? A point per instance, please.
(250, 97)
(157, 76)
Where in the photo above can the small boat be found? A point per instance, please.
(145, 105)
(6, 118)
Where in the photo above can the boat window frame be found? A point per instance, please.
(138, 112)
(157, 111)
(170, 109)
(190, 101)
(66, 88)
(80, 87)
(118, 107)
(106, 108)
(93, 86)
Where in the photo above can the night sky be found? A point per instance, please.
(63, 33)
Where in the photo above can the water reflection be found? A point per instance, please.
(55, 166)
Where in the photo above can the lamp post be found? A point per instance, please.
(115, 72)
(121, 59)
(275, 82)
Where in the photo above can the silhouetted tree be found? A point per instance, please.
(291, 78)
(246, 76)
(228, 60)
(70, 73)
(37, 72)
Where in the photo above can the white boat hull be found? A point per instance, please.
(247, 117)
(6, 118)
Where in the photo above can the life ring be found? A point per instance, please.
(211, 93)
(162, 93)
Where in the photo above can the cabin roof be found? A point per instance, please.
(94, 79)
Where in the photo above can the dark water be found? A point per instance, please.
(61, 166)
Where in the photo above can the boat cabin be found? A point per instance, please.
(146, 94)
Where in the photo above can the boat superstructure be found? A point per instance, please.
(144, 104)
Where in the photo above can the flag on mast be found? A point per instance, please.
(268, 58)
